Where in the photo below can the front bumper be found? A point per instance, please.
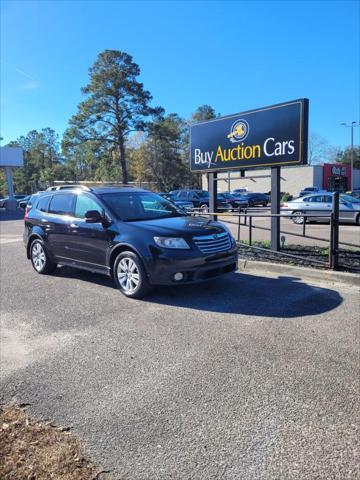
(194, 266)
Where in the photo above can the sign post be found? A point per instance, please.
(275, 208)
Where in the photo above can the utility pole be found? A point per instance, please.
(352, 125)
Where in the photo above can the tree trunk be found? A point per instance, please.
(123, 161)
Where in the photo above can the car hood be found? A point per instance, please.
(186, 225)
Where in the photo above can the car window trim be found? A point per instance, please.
(70, 214)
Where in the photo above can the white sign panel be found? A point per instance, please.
(11, 157)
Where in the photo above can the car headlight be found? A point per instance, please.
(171, 242)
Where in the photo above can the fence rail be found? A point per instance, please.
(247, 217)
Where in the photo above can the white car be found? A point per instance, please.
(349, 208)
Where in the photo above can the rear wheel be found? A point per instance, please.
(130, 275)
(298, 218)
(358, 220)
(40, 259)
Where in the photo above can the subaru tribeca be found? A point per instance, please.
(138, 238)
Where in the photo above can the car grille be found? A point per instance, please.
(213, 243)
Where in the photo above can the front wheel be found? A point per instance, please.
(298, 218)
(130, 275)
(40, 259)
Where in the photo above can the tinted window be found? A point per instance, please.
(61, 204)
(43, 203)
(85, 203)
(183, 195)
(140, 206)
(328, 198)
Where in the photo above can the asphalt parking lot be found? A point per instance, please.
(245, 377)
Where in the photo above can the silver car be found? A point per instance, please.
(349, 208)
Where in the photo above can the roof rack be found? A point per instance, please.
(68, 187)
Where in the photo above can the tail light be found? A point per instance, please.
(27, 210)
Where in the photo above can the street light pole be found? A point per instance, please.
(352, 125)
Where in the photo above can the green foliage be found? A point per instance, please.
(344, 156)
(42, 161)
(115, 105)
(286, 197)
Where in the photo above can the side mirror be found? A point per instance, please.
(22, 205)
(93, 216)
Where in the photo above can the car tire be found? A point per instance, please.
(130, 275)
(298, 217)
(358, 220)
(40, 259)
(204, 208)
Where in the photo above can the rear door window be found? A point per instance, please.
(62, 204)
(43, 203)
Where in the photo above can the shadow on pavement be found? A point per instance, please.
(282, 297)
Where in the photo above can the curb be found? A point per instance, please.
(304, 273)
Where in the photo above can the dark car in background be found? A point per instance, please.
(136, 237)
(310, 190)
(200, 199)
(4, 201)
(254, 199)
(233, 202)
(185, 204)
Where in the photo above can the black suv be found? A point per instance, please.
(138, 238)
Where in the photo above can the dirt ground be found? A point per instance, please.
(32, 450)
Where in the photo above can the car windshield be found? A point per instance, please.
(137, 206)
(349, 198)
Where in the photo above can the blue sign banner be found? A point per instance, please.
(270, 136)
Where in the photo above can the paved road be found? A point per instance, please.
(247, 377)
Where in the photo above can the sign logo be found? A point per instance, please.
(336, 170)
(239, 131)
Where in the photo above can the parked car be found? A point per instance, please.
(354, 193)
(199, 198)
(309, 190)
(239, 191)
(234, 203)
(137, 237)
(4, 201)
(349, 208)
(254, 199)
(22, 203)
(180, 203)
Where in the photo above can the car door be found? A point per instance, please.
(56, 223)
(88, 242)
(347, 212)
(314, 205)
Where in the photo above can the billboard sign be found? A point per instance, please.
(11, 157)
(270, 136)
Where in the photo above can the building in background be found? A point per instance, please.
(293, 179)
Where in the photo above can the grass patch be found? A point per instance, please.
(33, 450)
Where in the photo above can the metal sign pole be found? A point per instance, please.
(212, 183)
(275, 208)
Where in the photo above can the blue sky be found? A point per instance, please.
(232, 55)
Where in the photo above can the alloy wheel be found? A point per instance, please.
(38, 256)
(128, 274)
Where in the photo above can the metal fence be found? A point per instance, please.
(245, 218)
